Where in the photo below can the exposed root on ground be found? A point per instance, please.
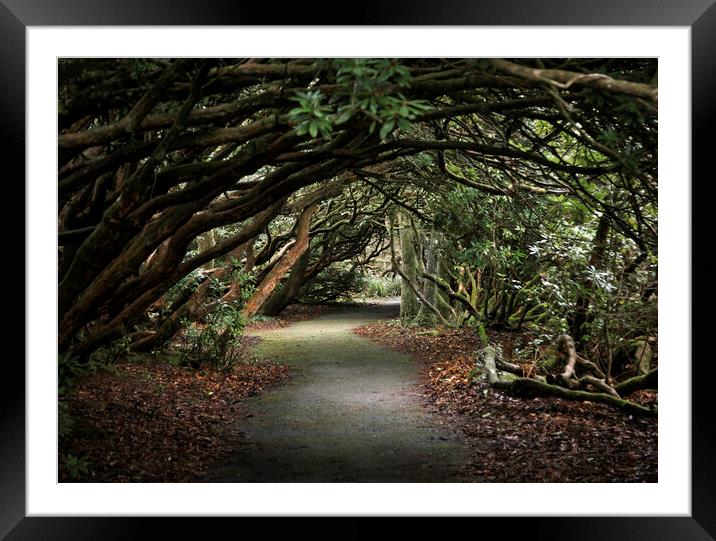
(544, 439)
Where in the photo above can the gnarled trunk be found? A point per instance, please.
(287, 293)
(426, 316)
(287, 261)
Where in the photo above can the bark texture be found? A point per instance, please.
(408, 269)
(529, 387)
(287, 261)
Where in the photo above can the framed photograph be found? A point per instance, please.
(34, 34)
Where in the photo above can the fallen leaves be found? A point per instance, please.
(153, 421)
(524, 440)
(157, 422)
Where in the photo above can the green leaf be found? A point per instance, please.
(326, 131)
(386, 129)
(403, 124)
(345, 115)
(420, 105)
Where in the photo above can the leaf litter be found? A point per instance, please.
(517, 439)
(156, 421)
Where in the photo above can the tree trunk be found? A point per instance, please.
(289, 259)
(129, 313)
(192, 308)
(286, 294)
(407, 282)
(581, 307)
(206, 241)
(426, 316)
(444, 301)
(459, 298)
(409, 266)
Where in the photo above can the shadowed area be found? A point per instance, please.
(350, 413)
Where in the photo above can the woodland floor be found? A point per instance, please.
(517, 439)
(150, 420)
(360, 399)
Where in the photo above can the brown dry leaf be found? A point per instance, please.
(525, 440)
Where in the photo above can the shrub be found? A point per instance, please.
(339, 281)
(215, 338)
(381, 286)
(75, 467)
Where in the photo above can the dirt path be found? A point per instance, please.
(350, 413)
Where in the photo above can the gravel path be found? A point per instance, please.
(351, 412)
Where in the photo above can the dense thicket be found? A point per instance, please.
(504, 192)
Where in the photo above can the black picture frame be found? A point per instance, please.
(16, 15)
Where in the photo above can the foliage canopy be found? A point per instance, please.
(539, 177)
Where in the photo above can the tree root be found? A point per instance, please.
(569, 377)
(510, 367)
(527, 387)
(647, 381)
